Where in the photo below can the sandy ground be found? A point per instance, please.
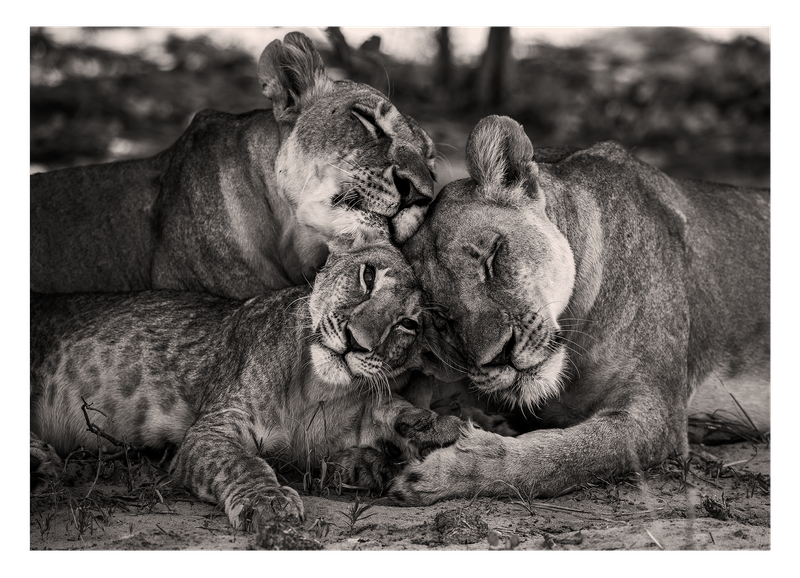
(719, 500)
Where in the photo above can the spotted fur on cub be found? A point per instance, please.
(297, 374)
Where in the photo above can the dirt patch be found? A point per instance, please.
(719, 499)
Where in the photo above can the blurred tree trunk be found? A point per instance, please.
(366, 64)
(341, 50)
(444, 63)
(494, 71)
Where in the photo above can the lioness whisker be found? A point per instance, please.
(449, 363)
(338, 168)
(565, 340)
(592, 337)
(562, 319)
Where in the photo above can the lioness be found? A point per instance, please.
(605, 299)
(295, 374)
(243, 203)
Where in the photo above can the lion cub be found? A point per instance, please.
(302, 373)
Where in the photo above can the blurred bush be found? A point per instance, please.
(692, 106)
(91, 105)
(683, 101)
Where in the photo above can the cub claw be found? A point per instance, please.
(250, 514)
(427, 431)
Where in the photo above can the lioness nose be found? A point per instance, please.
(504, 357)
(353, 344)
(409, 195)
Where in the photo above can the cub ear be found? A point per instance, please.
(292, 75)
(500, 158)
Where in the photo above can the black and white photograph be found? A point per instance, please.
(409, 288)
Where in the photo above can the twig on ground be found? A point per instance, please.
(653, 538)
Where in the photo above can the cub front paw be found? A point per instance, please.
(368, 467)
(427, 430)
(251, 512)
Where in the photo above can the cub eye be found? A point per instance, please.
(367, 277)
(409, 324)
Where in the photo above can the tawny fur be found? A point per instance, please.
(243, 203)
(234, 384)
(605, 301)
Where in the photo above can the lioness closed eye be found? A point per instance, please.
(236, 383)
(605, 298)
(243, 203)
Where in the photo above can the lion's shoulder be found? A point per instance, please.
(554, 155)
(214, 137)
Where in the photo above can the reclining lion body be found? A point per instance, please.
(239, 204)
(662, 293)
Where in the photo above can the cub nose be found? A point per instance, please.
(353, 344)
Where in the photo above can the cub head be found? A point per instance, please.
(366, 316)
(349, 160)
(497, 270)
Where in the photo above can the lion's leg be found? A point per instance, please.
(216, 463)
(543, 462)
(45, 462)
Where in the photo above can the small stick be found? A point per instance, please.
(99, 465)
(637, 512)
(735, 463)
(653, 538)
(100, 433)
(93, 428)
(736, 401)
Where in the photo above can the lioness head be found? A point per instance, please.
(349, 160)
(497, 269)
(365, 311)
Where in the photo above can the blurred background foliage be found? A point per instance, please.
(693, 106)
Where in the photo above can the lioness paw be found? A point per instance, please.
(413, 487)
(459, 470)
(250, 512)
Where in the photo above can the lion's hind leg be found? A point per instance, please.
(44, 464)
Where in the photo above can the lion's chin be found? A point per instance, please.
(406, 223)
(343, 370)
(528, 388)
(330, 366)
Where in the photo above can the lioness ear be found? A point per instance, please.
(292, 75)
(500, 159)
(355, 242)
